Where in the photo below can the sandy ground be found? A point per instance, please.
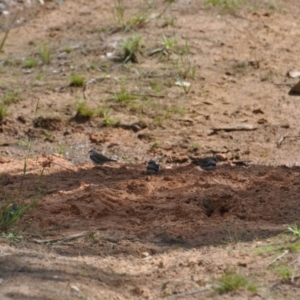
(150, 236)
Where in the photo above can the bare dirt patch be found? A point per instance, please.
(173, 233)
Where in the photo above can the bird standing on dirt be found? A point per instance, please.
(152, 167)
(207, 163)
(98, 158)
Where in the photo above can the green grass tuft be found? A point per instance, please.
(225, 4)
(131, 48)
(3, 111)
(77, 80)
(233, 281)
(83, 111)
(45, 55)
(30, 62)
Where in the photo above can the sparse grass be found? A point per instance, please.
(119, 10)
(10, 25)
(186, 68)
(136, 21)
(30, 62)
(283, 271)
(77, 80)
(155, 85)
(169, 22)
(106, 114)
(10, 214)
(45, 54)
(294, 230)
(226, 5)
(12, 236)
(233, 281)
(11, 211)
(83, 111)
(47, 135)
(60, 148)
(123, 96)
(131, 49)
(3, 111)
(24, 143)
(176, 110)
(11, 97)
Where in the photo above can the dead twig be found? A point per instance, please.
(237, 127)
(61, 240)
(278, 257)
(283, 137)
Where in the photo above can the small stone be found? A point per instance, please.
(145, 254)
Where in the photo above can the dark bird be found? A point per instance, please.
(98, 158)
(152, 167)
(207, 163)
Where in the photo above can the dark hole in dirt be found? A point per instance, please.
(223, 210)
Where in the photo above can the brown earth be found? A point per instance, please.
(150, 236)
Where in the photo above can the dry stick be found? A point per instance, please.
(64, 239)
(278, 257)
(209, 287)
(139, 95)
(283, 137)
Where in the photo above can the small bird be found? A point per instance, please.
(98, 158)
(207, 163)
(152, 167)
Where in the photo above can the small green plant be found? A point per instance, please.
(155, 145)
(195, 146)
(131, 49)
(25, 144)
(45, 55)
(61, 149)
(294, 230)
(283, 271)
(136, 22)
(12, 236)
(106, 114)
(3, 111)
(83, 111)
(8, 30)
(155, 85)
(159, 120)
(11, 97)
(176, 110)
(119, 11)
(10, 214)
(68, 49)
(167, 46)
(77, 80)
(39, 76)
(232, 282)
(30, 62)
(225, 5)
(186, 69)
(47, 135)
(169, 22)
(123, 95)
(264, 154)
